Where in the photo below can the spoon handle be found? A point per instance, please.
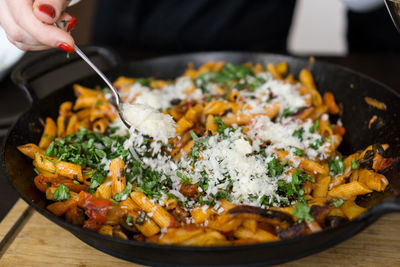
(106, 80)
(99, 72)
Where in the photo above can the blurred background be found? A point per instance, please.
(329, 27)
(354, 33)
(329, 38)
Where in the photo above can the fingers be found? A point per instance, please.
(29, 30)
(49, 11)
(42, 34)
(66, 22)
(25, 47)
(15, 34)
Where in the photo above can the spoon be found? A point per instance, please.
(107, 81)
(151, 124)
(393, 7)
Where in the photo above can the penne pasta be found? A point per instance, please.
(158, 213)
(49, 133)
(118, 179)
(349, 190)
(255, 159)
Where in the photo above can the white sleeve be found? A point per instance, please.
(73, 2)
(362, 5)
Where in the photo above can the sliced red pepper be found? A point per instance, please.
(61, 207)
(96, 209)
(41, 182)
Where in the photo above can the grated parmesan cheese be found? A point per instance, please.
(230, 160)
(149, 121)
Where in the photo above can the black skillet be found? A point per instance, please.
(349, 87)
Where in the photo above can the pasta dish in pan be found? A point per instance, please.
(253, 159)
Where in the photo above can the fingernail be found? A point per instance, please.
(48, 10)
(66, 47)
(71, 23)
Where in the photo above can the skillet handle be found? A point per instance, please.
(48, 71)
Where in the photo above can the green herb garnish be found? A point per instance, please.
(314, 127)
(129, 220)
(95, 181)
(354, 164)
(275, 168)
(317, 144)
(336, 166)
(302, 211)
(186, 180)
(62, 193)
(287, 112)
(221, 125)
(338, 202)
(124, 194)
(299, 133)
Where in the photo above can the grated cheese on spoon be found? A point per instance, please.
(149, 121)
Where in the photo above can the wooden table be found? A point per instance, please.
(29, 239)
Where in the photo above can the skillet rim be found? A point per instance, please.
(362, 221)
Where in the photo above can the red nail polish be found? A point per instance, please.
(66, 47)
(71, 23)
(48, 10)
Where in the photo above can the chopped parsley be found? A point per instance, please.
(275, 168)
(197, 139)
(124, 193)
(144, 82)
(338, 202)
(298, 152)
(129, 220)
(298, 133)
(336, 166)
(186, 180)
(62, 193)
(354, 164)
(151, 183)
(95, 181)
(265, 200)
(317, 144)
(293, 188)
(221, 125)
(302, 211)
(228, 74)
(287, 112)
(224, 193)
(195, 151)
(314, 127)
(198, 142)
(203, 184)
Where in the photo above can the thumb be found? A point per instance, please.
(49, 11)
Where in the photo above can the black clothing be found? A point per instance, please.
(175, 26)
(372, 32)
(197, 25)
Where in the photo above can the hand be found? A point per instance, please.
(29, 24)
